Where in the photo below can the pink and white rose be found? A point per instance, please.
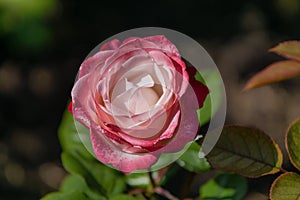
(132, 96)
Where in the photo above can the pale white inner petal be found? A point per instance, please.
(139, 93)
(142, 100)
(135, 96)
(142, 80)
(164, 76)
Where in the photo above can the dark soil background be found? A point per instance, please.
(44, 42)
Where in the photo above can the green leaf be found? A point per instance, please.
(288, 49)
(292, 142)
(97, 176)
(137, 180)
(286, 187)
(275, 72)
(74, 195)
(166, 158)
(193, 159)
(77, 183)
(72, 134)
(68, 135)
(246, 151)
(123, 197)
(73, 182)
(88, 175)
(215, 91)
(224, 186)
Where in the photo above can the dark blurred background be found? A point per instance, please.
(43, 42)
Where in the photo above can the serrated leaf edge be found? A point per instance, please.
(286, 143)
(275, 168)
(277, 179)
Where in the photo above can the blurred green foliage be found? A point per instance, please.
(24, 24)
(225, 186)
(289, 8)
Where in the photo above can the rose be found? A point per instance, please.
(135, 98)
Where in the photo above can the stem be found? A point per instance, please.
(152, 182)
(136, 191)
(165, 193)
(283, 170)
(161, 173)
(151, 187)
(154, 188)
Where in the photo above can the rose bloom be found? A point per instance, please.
(134, 97)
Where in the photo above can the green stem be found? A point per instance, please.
(154, 188)
(151, 187)
(152, 182)
(165, 193)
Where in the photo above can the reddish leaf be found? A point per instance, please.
(288, 49)
(274, 73)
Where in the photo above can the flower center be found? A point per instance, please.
(142, 100)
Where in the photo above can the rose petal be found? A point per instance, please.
(143, 143)
(127, 40)
(82, 102)
(182, 76)
(110, 73)
(111, 45)
(143, 69)
(189, 121)
(126, 51)
(172, 62)
(158, 128)
(108, 153)
(188, 125)
(93, 62)
(164, 44)
(158, 42)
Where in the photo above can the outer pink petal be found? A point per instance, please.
(93, 62)
(181, 77)
(164, 44)
(161, 58)
(132, 44)
(170, 50)
(111, 45)
(144, 143)
(108, 153)
(82, 102)
(189, 125)
(159, 42)
(114, 62)
(127, 40)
